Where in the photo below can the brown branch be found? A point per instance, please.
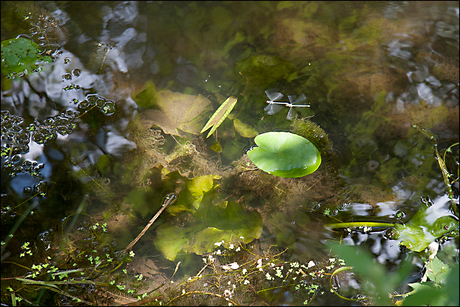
(169, 199)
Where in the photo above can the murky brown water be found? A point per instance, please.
(369, 72)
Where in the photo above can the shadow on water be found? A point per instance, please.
(106, 120)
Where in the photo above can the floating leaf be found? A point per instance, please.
(285, 154)
(221, 113)
(21, 55)
(422, 229)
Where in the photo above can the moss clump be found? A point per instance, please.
(314, 133)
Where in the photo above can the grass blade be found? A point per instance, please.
(221, 113)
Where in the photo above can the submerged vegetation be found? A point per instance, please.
(102, 121)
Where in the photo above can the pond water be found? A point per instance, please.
(109, 127)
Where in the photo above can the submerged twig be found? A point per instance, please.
(169, 199)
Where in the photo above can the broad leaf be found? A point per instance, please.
(228, 221)
(423, 229)
(21, 55)
(243, 129)
(285, 154)
(177, 110)
(190, 198)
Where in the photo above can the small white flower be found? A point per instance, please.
(246, 282)
(238, 249)
(228, 293)
(271, 264)
(204, 260)
(433, 248)
(311, 264)
(241, 237)
(218, 252)
(268, 276)
(218, 243)
(230, 246)
(244, 271)
(230, 266)
(279, 273)
(331, 259)
(259, 263)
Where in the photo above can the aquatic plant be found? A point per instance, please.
(220, 115)
(422, 234)
(276, 106)
(285, 154)
(21, 56)
(228, 221)
(314, 133)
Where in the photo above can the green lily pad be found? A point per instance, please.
(285, 154)
(21, 55)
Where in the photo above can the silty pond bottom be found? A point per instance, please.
(101, 119)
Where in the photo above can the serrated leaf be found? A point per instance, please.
(221, 113)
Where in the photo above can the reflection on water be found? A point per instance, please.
(368, 70)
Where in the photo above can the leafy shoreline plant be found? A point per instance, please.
(419, 234)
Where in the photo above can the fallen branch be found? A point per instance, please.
(169, 199)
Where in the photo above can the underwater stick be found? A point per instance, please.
(169, 199)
